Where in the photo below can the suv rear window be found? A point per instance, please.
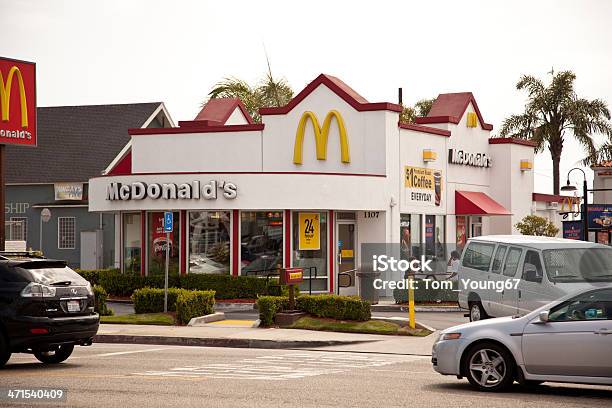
(478, 256)
(49, 274)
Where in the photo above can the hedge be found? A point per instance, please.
(268, 306)
(100, 297)
(424, 294)
(335, 307)
(194, 303)
(151, 300)
(225, 286)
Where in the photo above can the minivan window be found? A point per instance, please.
(578, 264)
(512, 261)
(478, 256)
(532, 267)
(498, 259)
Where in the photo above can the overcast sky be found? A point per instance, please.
(97, 52)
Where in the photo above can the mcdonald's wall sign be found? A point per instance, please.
(321, 135)
(17, 102)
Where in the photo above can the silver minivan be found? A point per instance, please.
(505, 275)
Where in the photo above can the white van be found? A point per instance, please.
(505, 275)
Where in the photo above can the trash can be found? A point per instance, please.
(366, 286)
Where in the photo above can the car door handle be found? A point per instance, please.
(603, 332)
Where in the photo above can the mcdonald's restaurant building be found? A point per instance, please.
(311, 183)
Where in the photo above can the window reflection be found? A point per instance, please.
(209, 242)
(261, 243)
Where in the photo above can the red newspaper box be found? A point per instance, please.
(291, 276)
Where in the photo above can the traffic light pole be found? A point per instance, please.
(2, 196)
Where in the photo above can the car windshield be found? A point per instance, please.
(49, 275)
(578, 264)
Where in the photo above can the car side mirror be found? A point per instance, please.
(543, 316)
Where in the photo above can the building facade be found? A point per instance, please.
(74, 144)
(311, 184)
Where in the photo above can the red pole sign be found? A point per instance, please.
(17, 102)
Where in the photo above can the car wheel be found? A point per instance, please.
(489, 367)
(5, 354)
(54, 357)
(477, 312)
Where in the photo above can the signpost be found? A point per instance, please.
(168, 227)
(45, 216)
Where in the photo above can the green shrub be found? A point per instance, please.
(335, 307)
(100, 296)
(194, 303)
(225, 286)
(423, 294)
(151, 300)
(268, 306)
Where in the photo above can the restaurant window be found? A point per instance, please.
(19, 229)
(132, 242)
(435, 247)
(410, 236)
(209, 242)
(261, 242)
(310, 249)
(66, 232)
(156, 244)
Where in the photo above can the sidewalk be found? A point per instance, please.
(215, 336)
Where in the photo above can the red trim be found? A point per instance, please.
(512, 140)
(448, 103)
(548, 198)
(311, 173)
(183, 240)
(287, 238)
(220, 110)
(191, 128)
(332, 255)
(424, 129)
(235, 242)
(143, 243)
(477, 203)
(123, 166)
(340, 89)
(199, 123)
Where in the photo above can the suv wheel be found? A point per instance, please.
(489, 367)
(477, 312)
(54, 357)
(5, 354)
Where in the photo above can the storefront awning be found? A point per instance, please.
(477, 203)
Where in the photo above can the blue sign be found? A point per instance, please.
(572, 230)
(168, 221)
(600, 216)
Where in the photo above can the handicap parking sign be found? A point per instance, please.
(168, 221)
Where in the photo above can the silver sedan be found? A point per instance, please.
(569, 340)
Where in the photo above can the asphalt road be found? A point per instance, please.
(117, 375)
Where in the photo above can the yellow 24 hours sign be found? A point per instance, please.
(309, 232)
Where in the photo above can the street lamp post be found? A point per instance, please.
(585, 192)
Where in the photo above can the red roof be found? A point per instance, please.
(477, 203)
(512, 140)
(348, 94)
(220, 109)
(424, 129)
(450, 107)
(547, 198)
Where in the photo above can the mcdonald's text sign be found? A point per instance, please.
(17, 102)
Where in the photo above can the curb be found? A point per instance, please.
(220, 342)
(397, 308)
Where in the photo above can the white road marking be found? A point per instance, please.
(119, 353)
(281, 367)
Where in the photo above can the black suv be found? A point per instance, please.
(46, 309)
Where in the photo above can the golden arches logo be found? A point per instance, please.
(5, 96)
(321, 136)
(573, 204)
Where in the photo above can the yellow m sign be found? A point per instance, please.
(321, 135)
(5, 96)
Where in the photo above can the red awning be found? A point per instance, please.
(477, 203)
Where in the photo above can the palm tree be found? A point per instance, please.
(555, 112)
(267, 93)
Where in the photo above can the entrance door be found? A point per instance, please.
(346, 258)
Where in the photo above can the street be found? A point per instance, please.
(122, 375)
